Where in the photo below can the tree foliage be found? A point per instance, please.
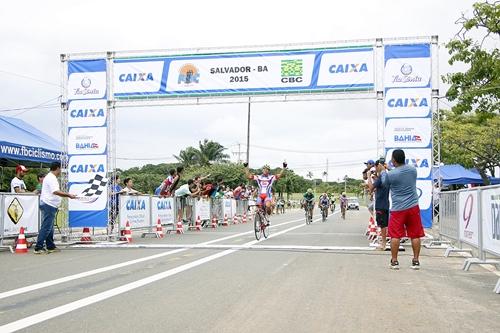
(208, 152)
(478, 88)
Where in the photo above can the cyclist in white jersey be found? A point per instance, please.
(265, 183)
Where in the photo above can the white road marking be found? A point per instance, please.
(68, 278)
(60, 310)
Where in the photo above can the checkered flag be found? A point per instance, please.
(92, 193)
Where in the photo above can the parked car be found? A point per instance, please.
(353, 203)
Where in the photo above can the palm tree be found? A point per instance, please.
(309, 175)
(211, 151)
(188, 157)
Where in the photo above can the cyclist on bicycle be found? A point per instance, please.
(324, 203)
(265, 182)
(343, 204)
(309, 201)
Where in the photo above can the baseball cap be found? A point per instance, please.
(370, 162)
(21, 168)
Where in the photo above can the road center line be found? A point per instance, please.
(60, 310)
(68, 278)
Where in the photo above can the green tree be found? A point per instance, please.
(478, 88)
(472, 141)
(211, 151)
(188, 157)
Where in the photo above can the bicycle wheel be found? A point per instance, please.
(265, 229)
(308, 221)
(256, 225)
(323, 214)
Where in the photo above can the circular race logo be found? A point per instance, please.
(419, 192)
(86, 82)
(406, 69)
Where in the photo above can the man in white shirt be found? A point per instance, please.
(50, 199)
(17, 184)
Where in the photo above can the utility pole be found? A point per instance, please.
(239, 153)
(327, 171)
(248, 132)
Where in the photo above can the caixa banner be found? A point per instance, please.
(341, 69)
(87, 143)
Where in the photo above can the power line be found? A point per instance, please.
(30, 78)
(38, 106)
(312, 152)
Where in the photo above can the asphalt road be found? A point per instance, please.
(291, 289)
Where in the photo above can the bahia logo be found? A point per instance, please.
(86, 90)
(164, 205)
(348, 68)
(136, 204)
(406, 71)
(189, 74)
(87, 168)
(407, 138)
(86, 113)
(407, 102)
(86, 145)
(134, 77)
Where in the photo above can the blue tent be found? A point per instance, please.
(20, 141)
(455, 174)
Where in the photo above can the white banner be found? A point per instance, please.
(130, 77)
(87, 113)
(20, 211)
(89, 85)
(424, 191)
(421, 159)
(407, 103)
(97, 202)
(490, 206)
(228, 208)
(468, 213)
(135, 209)
(408, 133)
(87, 140)
(202, 209)
(407, 72)
(268, 71)
(163, 210)
(346, 68)
(82, 168)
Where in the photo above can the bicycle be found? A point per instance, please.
(309, 211)
(260, 222)
(324, 213)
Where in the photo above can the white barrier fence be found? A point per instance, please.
(472, 217)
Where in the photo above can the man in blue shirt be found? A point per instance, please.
(405, 212)
(377, 183)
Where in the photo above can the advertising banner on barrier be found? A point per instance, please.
(162, 209)
(87, 143)
(202, 209)
(468, 214)
(136, 210)
(421, 159)
(349, 68)
(491, 219)
(227, 207)
(20, 211)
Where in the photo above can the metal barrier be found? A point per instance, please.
(472, 217)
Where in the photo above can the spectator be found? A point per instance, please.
(165, 187)
(50, 199)
(40, 177)
(17, 184)
(114, 202)
(129, 183)
(176, 179)
(237, 193)
(184, 192)
(405, 212)
(378, 185)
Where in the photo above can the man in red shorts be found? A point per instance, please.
(405, 213)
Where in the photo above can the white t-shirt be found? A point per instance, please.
(16, 182)
(49, 186)
(182, 191)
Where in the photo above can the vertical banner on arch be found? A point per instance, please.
(87, 143)
(408, 114)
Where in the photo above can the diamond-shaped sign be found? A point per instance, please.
(15, 211)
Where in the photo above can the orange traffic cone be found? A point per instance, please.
(86, 235)
(21, 246)
(198, 224)
(159, 229)
(214, 222)
(127, 233)
(179, 228)
(235, 219)
(244, 218)
(225, 223)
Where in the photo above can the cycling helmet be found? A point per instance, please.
(309, 190)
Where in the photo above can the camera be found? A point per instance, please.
(380, 161)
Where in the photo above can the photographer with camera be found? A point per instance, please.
(377, 184)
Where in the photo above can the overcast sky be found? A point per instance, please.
(34, 33)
